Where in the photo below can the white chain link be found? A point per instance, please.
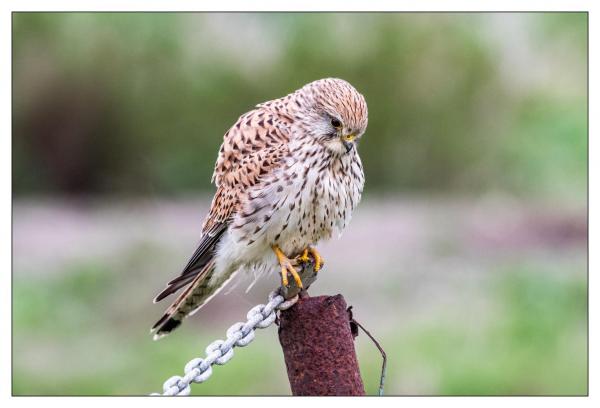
(220, 352)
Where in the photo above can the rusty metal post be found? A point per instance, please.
(318, 347)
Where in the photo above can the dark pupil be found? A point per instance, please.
(336, 123)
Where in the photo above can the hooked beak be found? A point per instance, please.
(348, 142)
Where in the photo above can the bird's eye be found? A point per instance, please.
(336, 123)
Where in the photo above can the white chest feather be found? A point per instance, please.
(308, 199)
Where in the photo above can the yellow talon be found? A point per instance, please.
(294, 273)
(316, 256)
(304, 257)
(286, 267)
(284, 278)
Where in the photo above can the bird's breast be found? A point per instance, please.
(307, 200)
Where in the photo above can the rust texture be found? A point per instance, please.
(318, 347)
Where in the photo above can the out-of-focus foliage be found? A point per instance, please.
(138, 103)
(465, 298)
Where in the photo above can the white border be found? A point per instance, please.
(270, 5)
(306, 5)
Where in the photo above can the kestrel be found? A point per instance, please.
(288, 175)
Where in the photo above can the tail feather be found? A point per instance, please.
(174, 285)
(192, 298)
(196, 265)
(197, 276)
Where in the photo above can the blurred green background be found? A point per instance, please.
(469, 248)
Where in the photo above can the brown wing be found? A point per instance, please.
(253, 147)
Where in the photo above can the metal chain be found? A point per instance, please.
(220, 352)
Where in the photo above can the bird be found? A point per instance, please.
(288, 175)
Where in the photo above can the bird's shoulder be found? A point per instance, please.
(260, 134)
(252, 148)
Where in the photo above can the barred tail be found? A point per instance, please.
(198, 280)
(191, 299)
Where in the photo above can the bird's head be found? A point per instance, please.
(332, 112)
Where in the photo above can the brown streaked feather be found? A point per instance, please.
(254, 131)
(253, 147)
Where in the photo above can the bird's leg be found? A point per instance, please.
(316, 256)
(286, 266)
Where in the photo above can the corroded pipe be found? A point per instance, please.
(318, 347)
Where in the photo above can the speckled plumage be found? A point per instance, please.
(286, 175)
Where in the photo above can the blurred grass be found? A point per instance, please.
(80, 327)
(535, 345)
